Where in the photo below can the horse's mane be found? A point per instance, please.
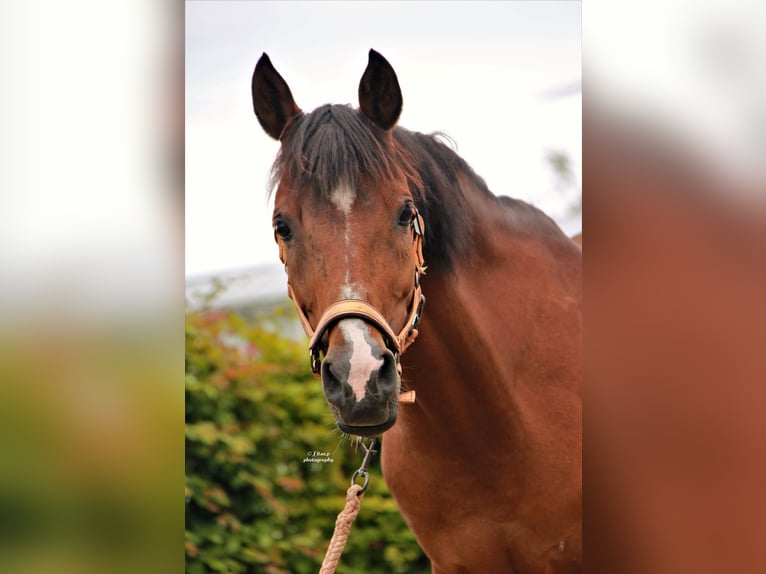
(337, 145)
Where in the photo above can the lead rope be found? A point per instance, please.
(353, 503)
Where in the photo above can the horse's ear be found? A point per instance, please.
(272, 100)
(380, 97)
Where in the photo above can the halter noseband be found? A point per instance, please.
(357, 308)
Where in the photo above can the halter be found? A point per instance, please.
(397, 343)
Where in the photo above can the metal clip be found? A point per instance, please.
(362, 471)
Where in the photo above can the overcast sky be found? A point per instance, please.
(501, 78)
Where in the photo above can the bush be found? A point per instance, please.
(254, 412)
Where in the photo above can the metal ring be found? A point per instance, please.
(364, 474)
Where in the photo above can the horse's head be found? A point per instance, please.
(350, 236)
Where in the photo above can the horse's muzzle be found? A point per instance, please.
(360, 379)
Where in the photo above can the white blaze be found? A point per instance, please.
(349, 290)
(362, 362)
(343, 199)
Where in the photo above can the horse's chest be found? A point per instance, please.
(464, 526)
(455, 530)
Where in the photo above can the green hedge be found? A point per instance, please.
(253, 413)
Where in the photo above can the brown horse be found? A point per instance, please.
(485, 465)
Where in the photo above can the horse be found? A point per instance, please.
(372, 219)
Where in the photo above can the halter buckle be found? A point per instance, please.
(417, 225)
(416, 318)
(315, 360)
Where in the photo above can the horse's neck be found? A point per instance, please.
(493, 440)
(499, 335)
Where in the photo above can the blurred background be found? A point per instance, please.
(674, 168)
(92, 295)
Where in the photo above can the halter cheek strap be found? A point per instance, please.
(356, 308)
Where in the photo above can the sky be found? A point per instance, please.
(502, 79)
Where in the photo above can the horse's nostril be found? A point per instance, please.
(388, 375)
(330, 369)
(333, 387)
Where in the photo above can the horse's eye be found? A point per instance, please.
(407, 215)
(282, 229)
